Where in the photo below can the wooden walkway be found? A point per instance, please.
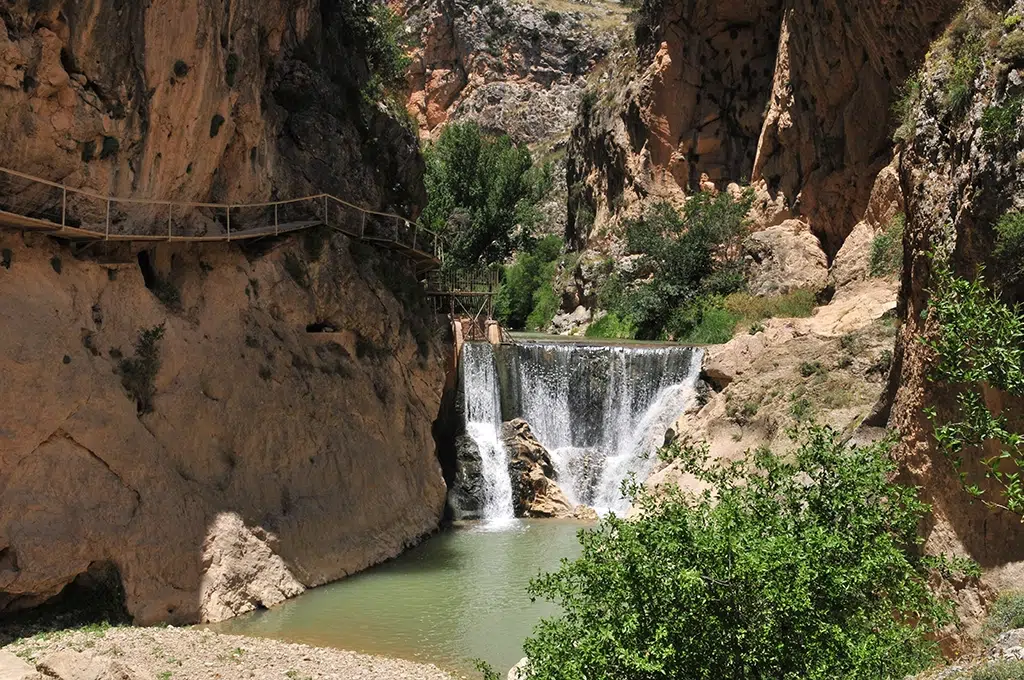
(30, 203)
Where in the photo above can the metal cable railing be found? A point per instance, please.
(29, 202)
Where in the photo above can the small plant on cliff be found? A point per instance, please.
(1009, 250)
(380, 35)
(999, 124)
(905, 109)
(980, 348)
(482, 194)
(138, 373)
(887, 249)
(1007, 613)
(805, 566)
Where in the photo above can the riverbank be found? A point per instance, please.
(198, 654)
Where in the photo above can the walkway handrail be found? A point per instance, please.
(316, 199)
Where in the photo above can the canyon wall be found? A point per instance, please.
(221, 426)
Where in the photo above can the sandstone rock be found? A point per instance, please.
(785, 258)
(71, 665)
(273, 459)
(567, 324)
(13, 668)
(585, 513)
(520, 670)
(534, 491)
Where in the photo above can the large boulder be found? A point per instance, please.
(785, 258)
(71, 665)
(467, 487)
(13, 668)
(534, 490)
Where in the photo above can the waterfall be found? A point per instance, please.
(600, 411)
(482, 407)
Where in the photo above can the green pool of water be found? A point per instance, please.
(460, 595)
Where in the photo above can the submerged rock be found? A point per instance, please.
(534, 490)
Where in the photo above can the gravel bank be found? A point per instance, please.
(193, 654)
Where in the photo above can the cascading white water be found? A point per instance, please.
(482, 403)
(599, 411)
(602, 411)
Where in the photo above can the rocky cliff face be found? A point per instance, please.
(791, 96)
(958, 181)
(197, 100)
(510, 66)
(273, 459)
(173, 414)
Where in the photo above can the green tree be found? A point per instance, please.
(482, 194)
(685, 258)
(798, 568)
(526, 290)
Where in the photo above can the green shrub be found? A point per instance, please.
(999, 124)
(611, 327)
(138, 373)
(1009, 251)
(552, 17)
(797, 304)
(887, 249)
(380, 35)
(1011, 48)
(803, 567)
(1007, 613)
(905, 109)
(809, 368)
(716, 326)
(526, 297)
(966, 61)
(1011, 21)
(482, 194)
(980, 341)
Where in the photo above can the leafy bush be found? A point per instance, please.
(691, 259)
(611, 327)
(1009, 252)
(1007, 613)
(809, 368)
(887, 249)
(999, 124)
(980, 341)
(715, 326)
(751, 309)
(380, 35)
(799, 568)
(139, 372)
(526, 287)
(905, 109)
(482, 194)
(959, 88)
(552, 17)
(1011, 48)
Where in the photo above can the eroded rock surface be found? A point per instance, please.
(535, 493)
(273, 459)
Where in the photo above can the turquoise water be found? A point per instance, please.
(460, 595)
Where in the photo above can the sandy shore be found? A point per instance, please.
(194, 654)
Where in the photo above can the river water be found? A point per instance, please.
(460, 595)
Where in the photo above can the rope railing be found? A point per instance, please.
(30, 202)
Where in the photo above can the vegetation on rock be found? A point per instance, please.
(887, 249)
(482, 194)
(799, 567)
(526, 298)
(138, 373)
(980, 348)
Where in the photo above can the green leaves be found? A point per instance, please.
(482, 194)
(802, 567)
(980, 349)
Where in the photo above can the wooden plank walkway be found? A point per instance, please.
(29, 203)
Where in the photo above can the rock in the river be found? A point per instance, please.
(520, 670)
(467, 488)
(534, 491)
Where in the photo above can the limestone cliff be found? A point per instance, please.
(176, 414)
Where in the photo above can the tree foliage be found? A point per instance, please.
(380, 35)
(687, 263)
(482, 194)
(980, 344)
(526, 299)
(796, 568)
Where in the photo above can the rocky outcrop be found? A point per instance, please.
(236, 459)
(957, 182)
(511, 67)
(534, 490)
(783, 259)
(198, 100)
(466, 491)
(791, 95)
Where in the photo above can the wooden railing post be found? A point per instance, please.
(63, 207)
(170, 214)
(106, 233)
(229, 224)
(326, 223)
(362, 227)
(275, 220)
(415, 233)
